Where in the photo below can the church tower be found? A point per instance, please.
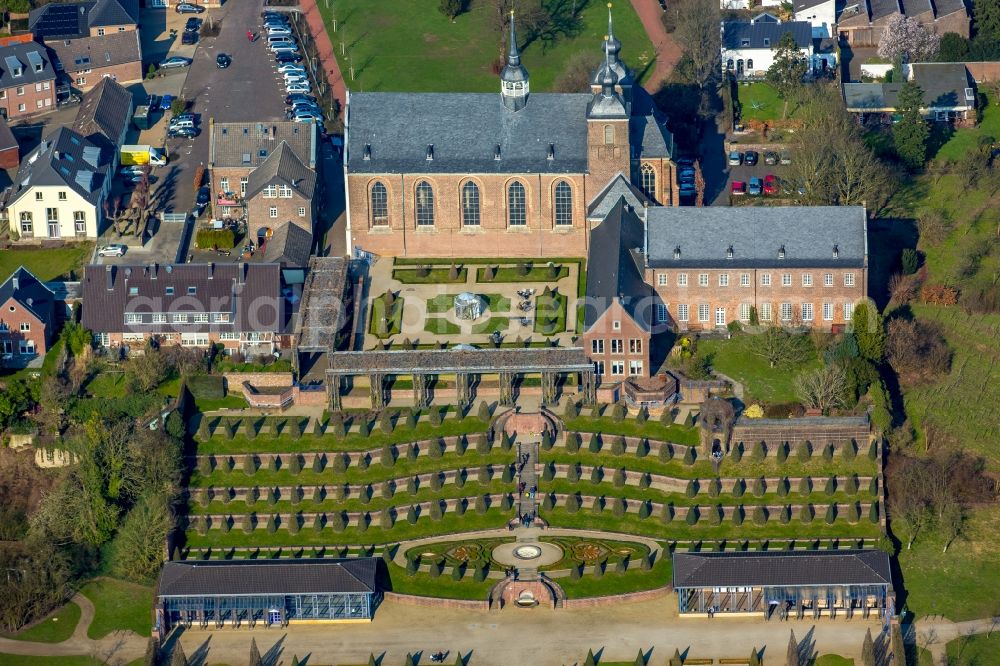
(613, 62)
(607, 129)
(514, 77)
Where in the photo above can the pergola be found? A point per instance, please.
(508, 364)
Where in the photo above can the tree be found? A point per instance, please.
(792, 654)
(823, 388)
(954, 47)
(676, 659)
(640, 659)
(254, 659)
(779, 347)
(905, 40)
(590, 660)
(868, 650)
(575, 78)
(138, 546)
(866, 323)
(698, 35)
(910, 134)
(916, 350)
(787, 70)
(177, 656)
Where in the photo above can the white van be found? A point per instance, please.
(182, 124)
(279, 39)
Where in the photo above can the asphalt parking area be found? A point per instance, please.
(744, 173)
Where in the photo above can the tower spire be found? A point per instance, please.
(614, 46)
(514, 77)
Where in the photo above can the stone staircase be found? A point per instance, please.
(528, 475)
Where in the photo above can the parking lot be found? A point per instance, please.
(743, 173)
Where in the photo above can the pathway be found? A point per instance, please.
(324, 49)
(668, 53)
(935, 634)
(527, 502)
(119, 647)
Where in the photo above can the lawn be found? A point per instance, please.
(441, 326)
(975, 650)
(550, 313)
(49, 263)
(759, 101)
(119, 605)
(761, 382)
(55, 628)
(412, 47)
(21, 660)
(444, 587)
(962, 583)
(432, 276)
(520, 275)
(631, 428)
(231, 401)
(965, 139)
(633, 580)
(490, 325)
(833, 660)
(392, 314)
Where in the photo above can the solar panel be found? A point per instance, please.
(85, 179)
(35, 60)
(14, 65)
(60, 20)
(92, 155)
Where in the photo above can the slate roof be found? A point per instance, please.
(289, 245)
(30, 292)
(881, 8)
(947, 7)
(250, 144)
(230, 578)
(648, 131)
(756, 234)
(764, 34)
(25, 55)
(567, 359)
(282, 166)
(781, 568)
(105, 111)
(944, 85)
(251, 293)
(7, 138)
(615, 266)
(465, 130)
(75, 19)
(118, 48)
(68, 159)
(618, 188)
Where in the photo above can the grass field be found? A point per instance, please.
(763, 383)
(965, 139)
(833, 660)
(978, 650)
(55, 628)
(118, 605)
(413, 47)
(48, 263)
(760, 101)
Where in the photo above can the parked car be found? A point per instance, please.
(188, 8)
(182, 118)
(735, 158)
(282, 58)
(786, 157)
(113, 250)
(307, 117)
(223, 60)
(756, 187)
(750, 158)
(130, 170)
(770, 158)
(189, 37)
(293, 88)
(153, 102)
(292, 99)
(193, 23)
(175, 61)
(279, 30)
(770, 185)
(202, 198)
(738, 188)
(291, 67)
(183, 132)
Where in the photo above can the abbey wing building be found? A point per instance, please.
(518, 174)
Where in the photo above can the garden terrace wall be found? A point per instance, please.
(817, 430)
(435, 602)
(631, 443)
(269, 379)
(615, 599)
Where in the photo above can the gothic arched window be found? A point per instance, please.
(380, 205)
(470, 205)
(517, 215)
(648, 174)
(425, 204)
(564, 204)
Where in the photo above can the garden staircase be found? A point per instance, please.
(529, 477)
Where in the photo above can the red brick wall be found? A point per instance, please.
(603, 330)
(259, 213)
(433, 602)
(10, 158)
(124, 74)
(614, 600)
(13, 314)
(30, 99)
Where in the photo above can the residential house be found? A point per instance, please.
(285, 153)
(10, 152)
(86, 61)
(60, 189)
(861, 22)
(238, 305)
(105, 114)
(290, 245)
(72, 20)
(821, 14)
(949, 94)
(748, 47)
(27, 318)
(27, 80)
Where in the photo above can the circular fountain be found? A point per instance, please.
(527, 552)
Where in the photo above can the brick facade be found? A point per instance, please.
(84, 79)
(21, 332)
(859, 31)
(35, 98)
(285, 211)
(728, 295)
(618, 345)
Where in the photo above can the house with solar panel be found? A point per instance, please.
(27, 80)
(60, 189)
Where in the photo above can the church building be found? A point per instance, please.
(518, 174)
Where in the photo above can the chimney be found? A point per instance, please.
(211, 270)
(16, 282)
(109, 277)
(274, 131)
(836, 251)
(153, 269)
(241, 276)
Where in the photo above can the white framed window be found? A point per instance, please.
(201, 318)
(270, 192)
(744, 312)
(133, 318)
(661, 279)
(616, 325)
(661, 313)
(81, 80)
(563, 204)
(179, 318)
(27, 225)
(720, 316)
(807, 280)
(703, 312)
(618, 368)
(848, 311)
(273, 212)
(635, 368)
(25, 327)
(224, 184)
(848, 279)
(635, 346)
(284, 192)
(744, 279)
(302, 211)
(229, 335)
(80, 221)
(723, 279)
(424, 204)
(807, 312)
(702, 279)
(22, 107)
(786, 279)
(39, 104)
(827, 311)
(617, 347)
(597, 346)
(38, 87)
(765, 279)
(221, 317)
(682, 279)
(159, 318)
(765, 312)
(517, 210)
(828, 279)
(786, 312)
(243, 185)
(20, 90)
(682, 312)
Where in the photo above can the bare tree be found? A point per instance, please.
(780, 347)
(823, 388)
(577, 75)
(699, 36)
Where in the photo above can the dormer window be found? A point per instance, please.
(781, 252)
(552, 151)
(744, 42)
(767, 41)
(677, 253)
(368, 151)
(496, 153)
(192, 291)
(729, 252)
(430, 152)
(836, 252)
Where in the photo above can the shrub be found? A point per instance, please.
(739, 488)
(411, 515)
(618, 446)
(737, 452)
(319, 522)
(573, 472)
(595, 443)
(437, 480)
(873, 451)
(645, 508)
(412, 452)
(828, 452)
(692, 488)
(831, 486)
(804, 451)
(805, 486)
(619, 478)
(759, 515)
(667, 513)
(573, 442)
(596, 474)
(642, 416)
(758, 451)
(786, 515)
(618, 507)
(642, 449)
(714, 487)
(481, 505)
(759, 487)
(294, 524)
(853, 512)
(645, 480)
(692, 515)
(249, 465)
(850, 450)
(435, 448)
(435, 416)
(873, 515)
(508, 473)
(782, 487)
(317, 463)
(715, 515)
(461, 505)
(689, 456)
(782, 452)
(272, 525)
(619, 413)
(295, 463)
(851, 484)
(272, 463)
(666, 452)
(208, 239)
(484, 474)
(831, 514)
(483, 445)
(909, 261)
(340, 462)
(873, 486)
(548, 502)
(572, 503)
(548, 471)
(738, 515)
